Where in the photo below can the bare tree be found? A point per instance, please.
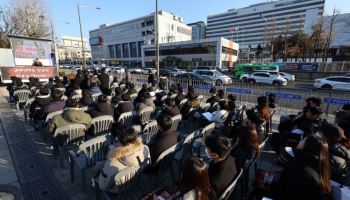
(24, 18)
(330, 33)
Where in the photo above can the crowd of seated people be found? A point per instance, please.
(320, 150)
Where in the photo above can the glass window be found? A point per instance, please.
(111, 51)
(133, 50)
(126, 50)
(118, 50)
(139, 44)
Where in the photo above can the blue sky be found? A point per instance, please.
(114, 11)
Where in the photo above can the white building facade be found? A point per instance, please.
(259, 23)
(120, 44)
(198, 30)
(69, 50)
(213, 52)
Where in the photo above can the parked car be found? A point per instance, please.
(333, 83)
(191, 78)
(218, 77)
(118, 70)
(263, 77)
(148, 70)
(288, 77)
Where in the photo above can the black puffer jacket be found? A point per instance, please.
(101, 109)
(339, 161)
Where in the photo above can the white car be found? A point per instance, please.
(218, 77)
(288, 77)
(333, 83)
(264, 77)
(118, 70)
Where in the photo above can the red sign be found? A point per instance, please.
(26, 72)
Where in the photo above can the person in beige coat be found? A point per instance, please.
(131, 152)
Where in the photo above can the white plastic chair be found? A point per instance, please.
(51, 115)
(125, 119)
(77, 97)
(150, 130)
(101, 125)
(87, 156)
(145, 115)
(95, 96)
(133, 97)
(176, 121)
(182, 103)
(137, 128)
(26, 107)
(22, 96)
(72, 133)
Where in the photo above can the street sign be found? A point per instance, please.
(336, 101)
(203, 87)
(285, 95)
(238, 90)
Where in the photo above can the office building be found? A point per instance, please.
(69, 50)
(198, 30)
(213, 52)
(120, 44)
(259, 23)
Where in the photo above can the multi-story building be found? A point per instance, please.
(120, 44)
(259, 23)
(198, 30)
(213, 52)
(69, 50)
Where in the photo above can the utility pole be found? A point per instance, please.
(81, 37)
(157, 40)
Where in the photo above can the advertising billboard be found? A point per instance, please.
(25, 51)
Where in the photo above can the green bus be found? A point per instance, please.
(249, 68)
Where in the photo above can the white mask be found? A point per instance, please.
(207, 153)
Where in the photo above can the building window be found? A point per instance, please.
(126, 50)
(111, 51)
(139, 44)
(118, 50)
(133, 50)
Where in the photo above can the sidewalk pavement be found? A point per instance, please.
(7, 170)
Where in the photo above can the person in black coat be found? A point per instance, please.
(214, 98)
(309, 122)
(37, 107)
(164, 139)
(308, 177)
(104, 80)
(222, 168)
(170, 108)
(343, 121)
(117, 96)
(102, 107)
(159, 95)
(56, 104)
(87, 99)
(124, 106)
(180, 95)
(131, 89)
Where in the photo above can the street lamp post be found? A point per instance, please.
(81, 30)
(54, 41)
(157, 40)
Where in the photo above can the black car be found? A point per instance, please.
(194, 79)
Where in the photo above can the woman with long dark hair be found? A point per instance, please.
(309, 175)
(260, 115)
(248, 144)
(194, 183)
(339, 151)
